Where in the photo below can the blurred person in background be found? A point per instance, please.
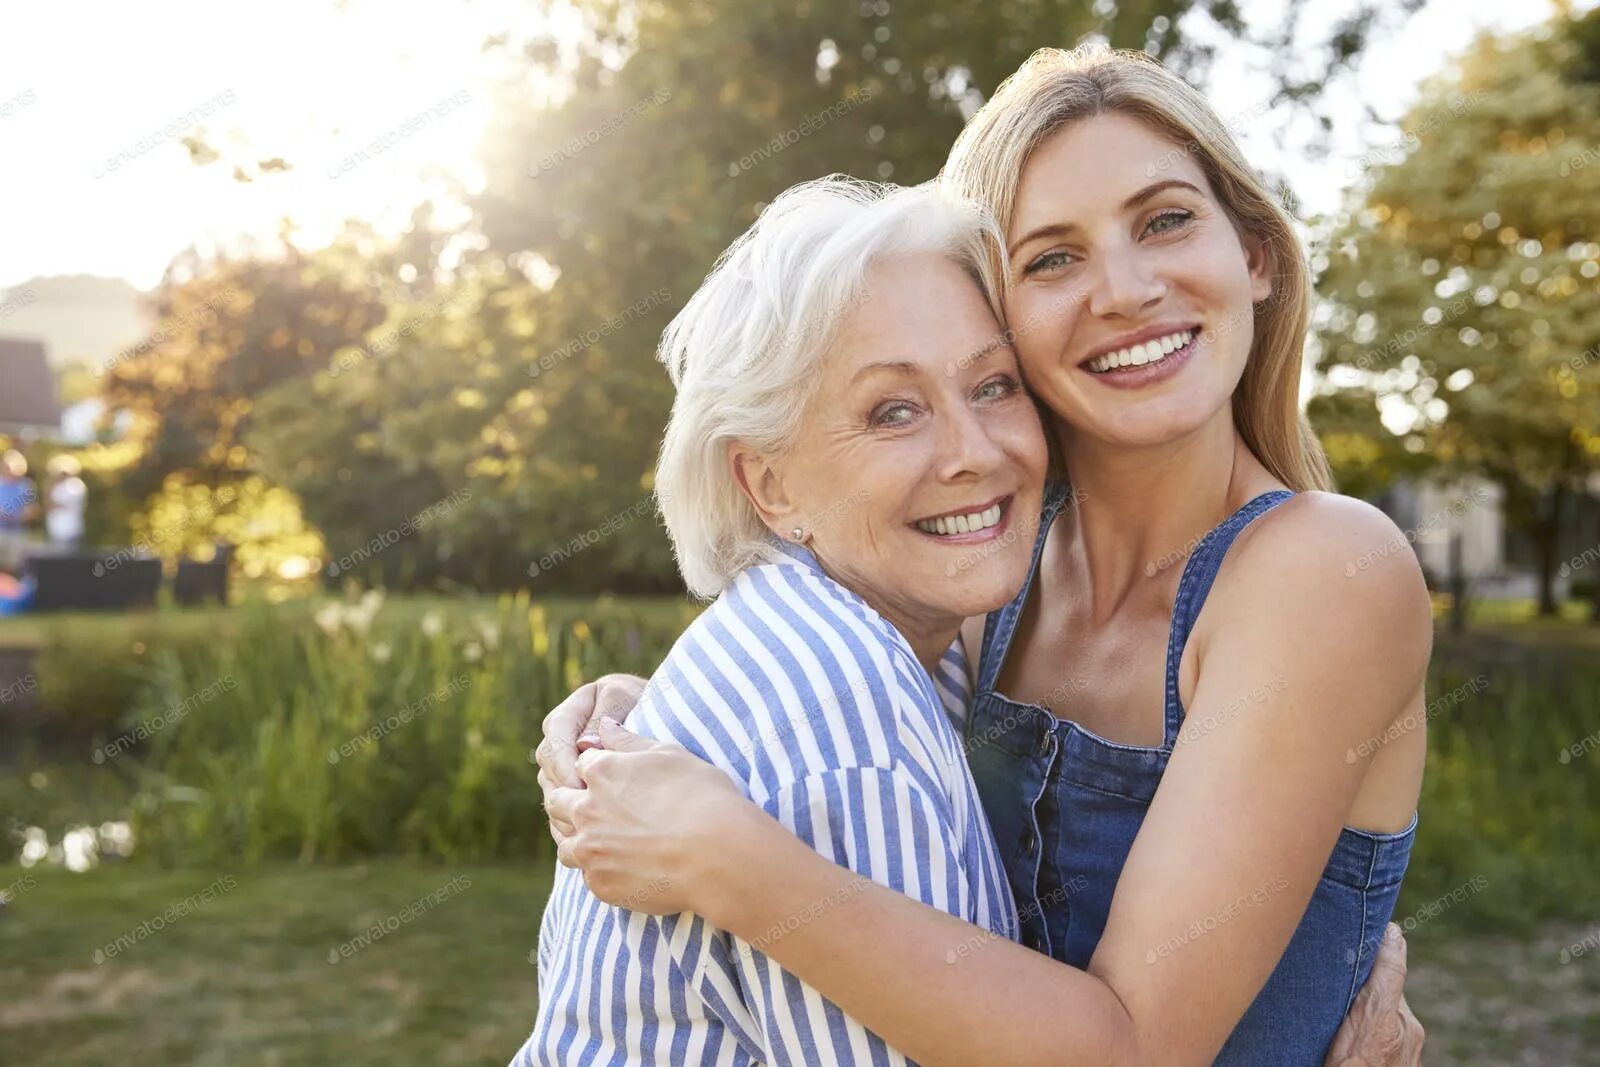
(64, 503)
(19, 506)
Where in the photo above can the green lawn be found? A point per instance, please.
(246, 979)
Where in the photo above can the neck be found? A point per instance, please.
(1140, 512)
(930, 643)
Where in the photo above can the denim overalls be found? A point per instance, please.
(1066, 804)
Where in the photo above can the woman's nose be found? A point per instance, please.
(969, 447)
(1124, 285)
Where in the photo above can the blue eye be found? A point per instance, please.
(995, 388)
(1048, 261)
(895, 413)
(1178, 219)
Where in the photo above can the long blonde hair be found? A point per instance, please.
(1055, 88)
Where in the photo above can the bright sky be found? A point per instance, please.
(83, 83)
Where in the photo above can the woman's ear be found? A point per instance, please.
(762, 485)
(1259, 261)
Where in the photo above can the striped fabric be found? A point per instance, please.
(818, 709)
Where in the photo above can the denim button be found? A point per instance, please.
(1030, 842)
(1033, 941)
(1044, 742)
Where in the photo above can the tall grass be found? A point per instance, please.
(363, 732)
(1512, 791)
(366, 730)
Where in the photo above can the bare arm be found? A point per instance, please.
(1283, 695)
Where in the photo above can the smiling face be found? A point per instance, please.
(918, 470)
(1132, 292)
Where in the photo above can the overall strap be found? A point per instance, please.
(1194, 585)
(993, 654)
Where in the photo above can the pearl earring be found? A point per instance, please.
(798, 533)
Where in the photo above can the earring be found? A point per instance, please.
(798, 533)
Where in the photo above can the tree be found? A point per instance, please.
(1463, 287)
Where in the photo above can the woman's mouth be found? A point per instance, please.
(979, 523)
(1148, 361)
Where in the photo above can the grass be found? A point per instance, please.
(246, 977)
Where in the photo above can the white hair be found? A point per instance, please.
(746, 352)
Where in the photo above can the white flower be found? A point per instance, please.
(432, 624)
(330, 617)
(381, 651)
(472, 651)
(490, 631)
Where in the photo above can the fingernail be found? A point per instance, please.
(607, 720)
(588, 741)
(1391, 933)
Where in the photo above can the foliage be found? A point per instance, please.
(1463, 288)
(362, 732)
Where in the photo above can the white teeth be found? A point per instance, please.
(1141, 354)
(949, 525)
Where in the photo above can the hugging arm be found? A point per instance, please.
(1235, 840)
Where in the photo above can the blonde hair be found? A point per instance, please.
(745, 354)
(1055, 88)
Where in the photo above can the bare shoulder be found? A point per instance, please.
(1336, 569)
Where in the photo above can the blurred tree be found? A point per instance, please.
(1463, 286)
(678, 122)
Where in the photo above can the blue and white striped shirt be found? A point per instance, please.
(818, 709)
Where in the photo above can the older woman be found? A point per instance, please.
(1175, 721)
(847, 474)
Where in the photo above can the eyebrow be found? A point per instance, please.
(898, 366)
(1059, 228)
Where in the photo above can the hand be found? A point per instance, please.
(574, 723)
(1380, 1030)
(649, 824)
